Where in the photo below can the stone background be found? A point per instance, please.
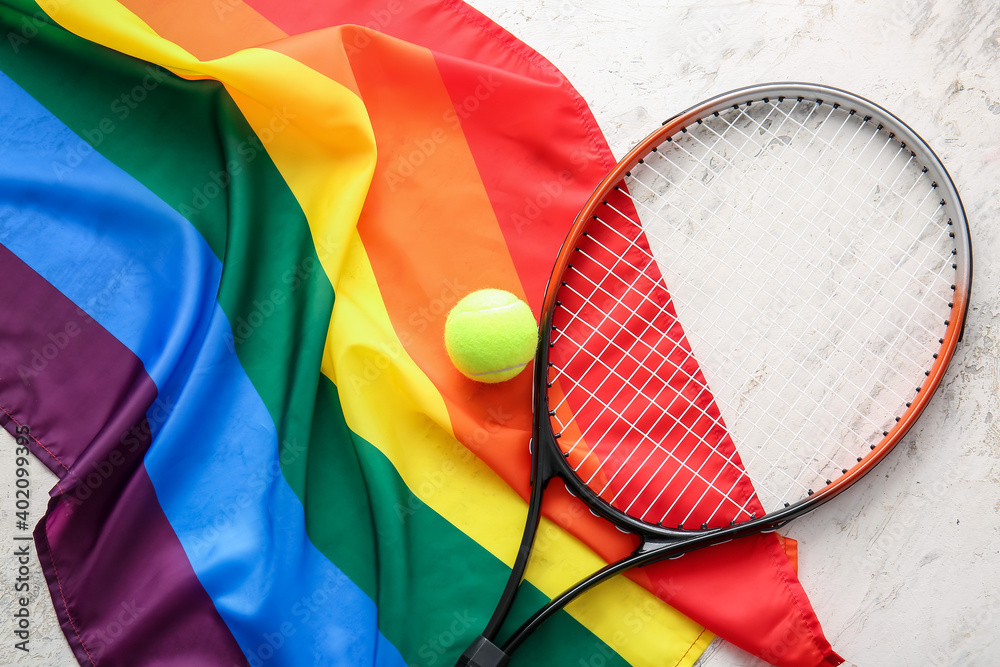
(905, 568)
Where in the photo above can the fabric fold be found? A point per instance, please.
(347, 172)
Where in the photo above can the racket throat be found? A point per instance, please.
(483, 653)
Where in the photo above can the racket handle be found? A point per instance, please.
(483, 653)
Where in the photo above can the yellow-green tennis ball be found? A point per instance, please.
(490, 335)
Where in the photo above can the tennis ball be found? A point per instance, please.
(490, 335)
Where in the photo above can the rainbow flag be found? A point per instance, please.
(229, 235)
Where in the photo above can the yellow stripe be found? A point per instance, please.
(317, 133)
(370, 367)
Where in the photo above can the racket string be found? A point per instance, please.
(875, 293)
(649, 361)
(678, 368)
(627, 382)
(889, 141)
(692, 403)
(580, 346)
(650, 166)
(695, 473)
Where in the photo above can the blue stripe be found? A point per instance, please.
(145, 274)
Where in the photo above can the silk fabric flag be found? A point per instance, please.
(230, 233)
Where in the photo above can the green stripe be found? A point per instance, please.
(434, 586)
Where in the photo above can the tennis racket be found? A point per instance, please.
(749, 313)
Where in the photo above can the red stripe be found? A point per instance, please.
(635, 388)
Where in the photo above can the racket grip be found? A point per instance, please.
(483, 653)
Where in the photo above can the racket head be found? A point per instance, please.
(622, 360)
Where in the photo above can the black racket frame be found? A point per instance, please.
(659, 542)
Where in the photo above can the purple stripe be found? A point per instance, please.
(133, 591)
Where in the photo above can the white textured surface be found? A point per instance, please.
(905, 568)
(46, 645)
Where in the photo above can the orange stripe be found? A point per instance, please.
(791, 549)
(217, 29)
(427, 201)
(207, 30)
(427, 176)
